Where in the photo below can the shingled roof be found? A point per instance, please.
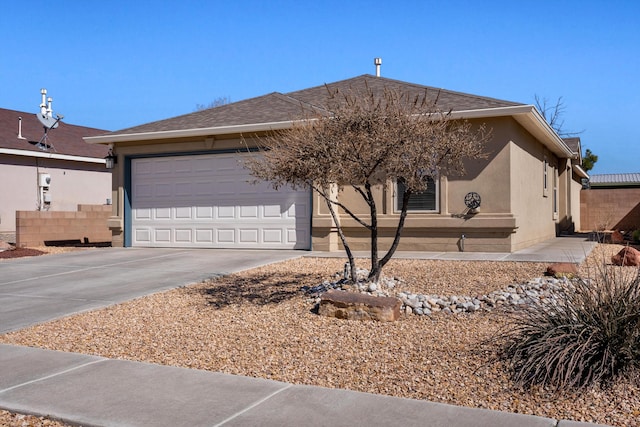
(65, 139)
(278, 107)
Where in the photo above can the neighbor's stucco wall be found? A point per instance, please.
(72, 183)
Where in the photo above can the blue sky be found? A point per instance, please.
(117, 64)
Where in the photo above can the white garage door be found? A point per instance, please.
(208, 201)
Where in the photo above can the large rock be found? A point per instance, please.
(563, 269)
(628, 256)
(357, 306)
(617, 237)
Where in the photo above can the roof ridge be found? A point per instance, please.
(415, 85)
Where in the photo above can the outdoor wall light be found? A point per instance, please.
(111, 160)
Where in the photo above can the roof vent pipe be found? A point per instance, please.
(377, 62)
(43, 104)
(20, 128)
(50, 108)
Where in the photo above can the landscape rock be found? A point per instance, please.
(563, 269)
(628, 257)
(617, 237)
(359, 306)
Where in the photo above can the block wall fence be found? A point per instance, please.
(610, 209)
(89, 222)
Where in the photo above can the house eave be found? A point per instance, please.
(580, 172)
(528, 117)
(46, 155)
(188, 133)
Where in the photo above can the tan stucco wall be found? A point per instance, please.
(514, 212)
(530, 204)
(489, 230)
(72, 183)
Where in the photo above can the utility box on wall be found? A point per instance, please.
(44, 180)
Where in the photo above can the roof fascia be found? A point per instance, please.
(530, 118)
(56, 156)
(186, 133)
(580, 172)
(527, 115)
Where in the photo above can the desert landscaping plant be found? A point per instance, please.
(363, 139)
(589, 334)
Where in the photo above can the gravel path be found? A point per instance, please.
(259, 324)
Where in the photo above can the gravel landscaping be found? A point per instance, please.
(260, 324)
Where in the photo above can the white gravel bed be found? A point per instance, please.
(258, 323)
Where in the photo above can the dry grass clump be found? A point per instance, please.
(590, 334)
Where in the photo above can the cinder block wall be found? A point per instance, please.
(610, 209)
(34, 228)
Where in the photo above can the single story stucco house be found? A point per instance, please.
(180, 182)
(52, 172)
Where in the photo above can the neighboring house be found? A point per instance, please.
(180, 182)
(55, 173)
(611, 202)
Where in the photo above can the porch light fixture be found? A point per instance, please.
(111, 160)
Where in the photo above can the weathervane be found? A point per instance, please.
(46, 118)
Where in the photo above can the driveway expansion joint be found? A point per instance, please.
(46, 377)
(253, 405)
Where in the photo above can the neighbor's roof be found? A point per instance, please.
(277, 107)
(615, 180)
(65, 140)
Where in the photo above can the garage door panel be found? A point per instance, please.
(183, 235)
(248, 235)
(183, 213)
(204, 212)
(204, 235)
(227, 235)
(162, 213)
(209, 201)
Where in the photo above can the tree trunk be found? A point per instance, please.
(374, 273)
(396, 239)
(347, 249)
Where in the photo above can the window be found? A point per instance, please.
(545, 180)
(426, 201)
(555, 194)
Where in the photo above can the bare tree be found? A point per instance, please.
(363, 140)
(221, 100)
(553, 114)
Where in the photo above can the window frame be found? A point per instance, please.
(545, 178)
(397, 200)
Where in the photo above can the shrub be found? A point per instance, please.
(589, 334)
(636, 236)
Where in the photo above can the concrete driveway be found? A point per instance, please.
(37, 289)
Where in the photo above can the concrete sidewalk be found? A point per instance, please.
(94, 391)
(572, 249)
